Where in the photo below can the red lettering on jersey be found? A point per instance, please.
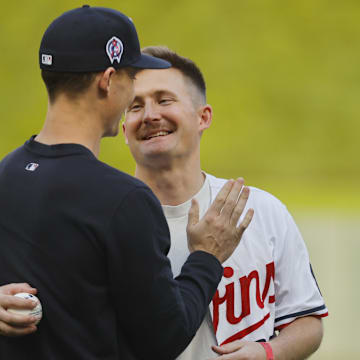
(229, 296)
(270, 274)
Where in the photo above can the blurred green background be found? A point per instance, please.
(283, 78)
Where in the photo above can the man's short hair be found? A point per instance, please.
(73, 84)
(186, 66)
(69, 83)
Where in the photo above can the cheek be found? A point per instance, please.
(130, 126)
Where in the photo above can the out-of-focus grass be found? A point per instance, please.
(326, 197)
(333, 242)
(283, 78)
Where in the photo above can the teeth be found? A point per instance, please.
(160, 133)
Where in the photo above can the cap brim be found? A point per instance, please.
(150, 62)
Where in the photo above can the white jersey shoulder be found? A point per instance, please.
(268, 281)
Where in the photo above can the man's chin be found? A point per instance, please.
(155, 151)
(157, 159)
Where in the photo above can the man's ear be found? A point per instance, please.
(205, 116)
(105, 79)
(124, 132)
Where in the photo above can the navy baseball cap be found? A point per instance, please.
(91, 39)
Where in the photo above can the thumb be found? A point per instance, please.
(227, 348)
(193, 216)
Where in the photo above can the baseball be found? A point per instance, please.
(36, 311)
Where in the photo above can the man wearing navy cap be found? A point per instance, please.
(91, 239)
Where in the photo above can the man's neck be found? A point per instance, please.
(172, 186)
(68, 122)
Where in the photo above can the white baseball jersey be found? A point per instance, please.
(267, 282)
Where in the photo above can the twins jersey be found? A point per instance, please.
(268, 281)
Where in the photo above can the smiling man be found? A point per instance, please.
(268, 283)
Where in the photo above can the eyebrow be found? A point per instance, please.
(156, 94)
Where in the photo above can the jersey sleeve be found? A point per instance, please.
(296, 290)
(158, 314)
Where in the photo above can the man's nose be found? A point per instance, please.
(151, 113)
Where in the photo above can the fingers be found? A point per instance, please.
(193, 216)
(221, 197)
(217, 349)
(240, 206)
(16, 319)
(7, 319)
(232, 199)
(7, 330)
(12, 289)
(227, 348)
(245, 223)
(9, 301)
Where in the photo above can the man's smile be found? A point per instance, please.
(156, 134)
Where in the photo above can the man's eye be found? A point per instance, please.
(165, 101)
(134, 108)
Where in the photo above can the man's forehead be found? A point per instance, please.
(152, 81)
(154, 76)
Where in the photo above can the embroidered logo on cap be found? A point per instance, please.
(114, 49)
(31, 167)
(46, 59)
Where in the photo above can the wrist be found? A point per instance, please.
(268, 350)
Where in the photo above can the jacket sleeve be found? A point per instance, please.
(158, 315)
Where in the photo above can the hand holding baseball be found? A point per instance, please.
(15, 324)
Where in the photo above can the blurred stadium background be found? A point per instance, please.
(284, 81)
